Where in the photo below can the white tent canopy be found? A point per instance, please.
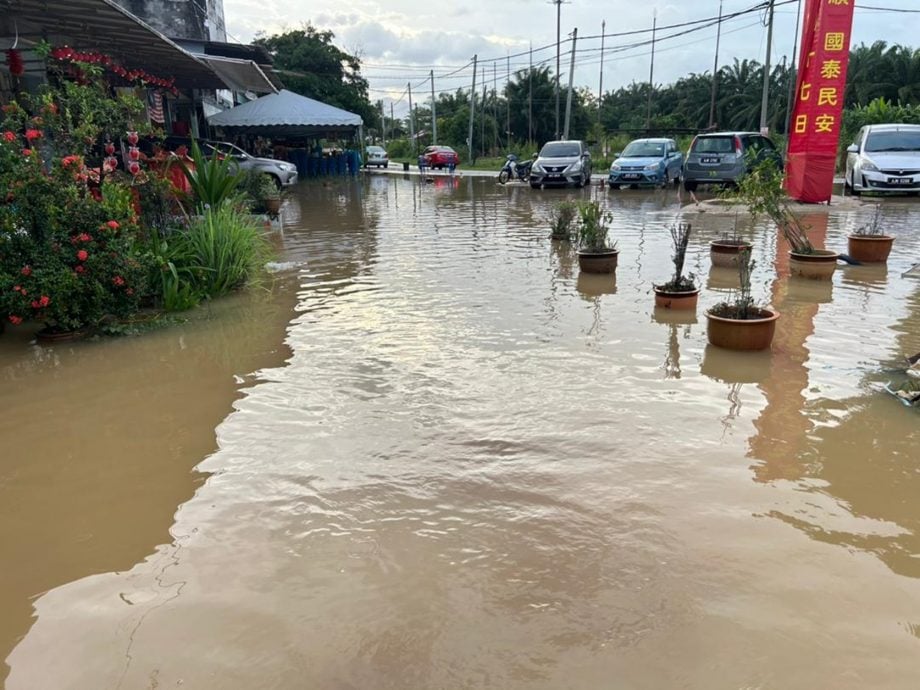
(287, 113)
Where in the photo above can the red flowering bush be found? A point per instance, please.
(71, 249)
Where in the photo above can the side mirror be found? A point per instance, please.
(852, 148)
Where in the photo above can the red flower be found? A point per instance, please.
(33, 134)
(44, 301)
(15, 320)
(67, 161)
(82, 255)
(79, 269)
(9, 136)
(26, 270)
(118, 281)
(129, 292)
(35, 304)
(113, 225)
(27, 152)
(17, 288)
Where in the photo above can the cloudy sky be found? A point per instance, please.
(401, 40)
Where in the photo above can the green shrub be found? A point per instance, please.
(222, 250)
(213, 180)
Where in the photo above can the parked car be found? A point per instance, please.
(723, 157)
(656, 162)
(377, 155)
(283, 173)
(440, 157)
(884, 157)
(562, 163)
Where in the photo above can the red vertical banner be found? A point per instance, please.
(818, 107)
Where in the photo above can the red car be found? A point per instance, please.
(440, 157)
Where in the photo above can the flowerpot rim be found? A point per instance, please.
(870, 238)
(774, 315)
(731, 243)
(606, 252)
(680, 293)
(816, 255)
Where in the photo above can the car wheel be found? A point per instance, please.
(690, 185)
(534, 185)
(614, 185)
(666, 182)
(386, 165)
(583, 182)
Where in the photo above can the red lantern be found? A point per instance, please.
(134, 153)
(132, 138)
(134, 167)
(110, 148)
(15, 63)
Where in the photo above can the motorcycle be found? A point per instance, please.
(512, 169)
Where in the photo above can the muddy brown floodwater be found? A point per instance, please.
(464, 465)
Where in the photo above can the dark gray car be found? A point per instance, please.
(723, 157)
(561, 163)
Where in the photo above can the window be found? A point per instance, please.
(714, 145)
(557, 149)
(893, 141)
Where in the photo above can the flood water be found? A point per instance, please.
(458, 463)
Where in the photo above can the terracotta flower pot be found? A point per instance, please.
(819, 265)
(598, 262)
(273, 206)
(725, 253)
(667, 299)
(743, 334)
(869, 248)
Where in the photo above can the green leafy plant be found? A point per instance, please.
(562, 220)
(213, 180)
(761, 190)
(593, 228)
(219, 252)
(680, 238)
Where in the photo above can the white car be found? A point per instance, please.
(377, 155)
(884, 158)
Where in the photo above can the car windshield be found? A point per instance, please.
(375, 149)
(714, 145)
(228, 149)
(558, 149)
(644, 149)
(893, 141)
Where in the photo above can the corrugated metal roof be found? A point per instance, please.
(239, 75)
(104, 26)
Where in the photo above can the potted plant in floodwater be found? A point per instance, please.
(595, 253)
(562, 220)
(724, 251)
(681, 291)
(762, 191)
(869, 244)
(738, 324)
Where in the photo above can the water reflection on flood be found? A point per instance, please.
(480, 468)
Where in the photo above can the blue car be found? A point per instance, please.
(647, 162)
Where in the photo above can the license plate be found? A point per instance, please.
(554, 177)
(710, 161)
(631, 176)
(900, 180)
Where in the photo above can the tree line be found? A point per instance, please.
(524, 109)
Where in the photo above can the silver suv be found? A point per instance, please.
(561, 163)
(283, 173)
(723, 157)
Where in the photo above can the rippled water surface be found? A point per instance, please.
(473, 467)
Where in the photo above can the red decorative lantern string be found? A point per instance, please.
(15, 63)
(91, 57)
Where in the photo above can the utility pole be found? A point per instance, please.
(469, 140)
(715, 73)
(383, 122)
(766, 72)
(651, 75)
(530, 96)
(434, 114)
(508, 98)
(392, 118)
(558, 4)
(568, 98)
(411, 121)
(793, 69)
(600, 81)
(497, 142)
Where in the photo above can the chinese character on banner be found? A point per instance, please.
(818, 106)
